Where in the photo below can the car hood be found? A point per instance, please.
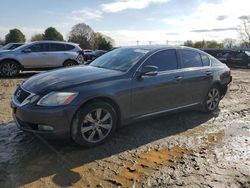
(66, 78)
(4, 51)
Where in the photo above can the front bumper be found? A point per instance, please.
(32, 118)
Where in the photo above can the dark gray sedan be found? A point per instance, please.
(88, 103)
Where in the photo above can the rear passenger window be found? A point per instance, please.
(57, 47)
(69, 47)
(164, 60)
(205, 60)
(44, 47)
(190, 59)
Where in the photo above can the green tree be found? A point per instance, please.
(199, 44)
(189, 43)
(102, 43)
(37, 37)
(207, 44)
(52, 34)
(213, 44)
(2, 42)
(14, 35)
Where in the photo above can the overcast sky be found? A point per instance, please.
(127, 21)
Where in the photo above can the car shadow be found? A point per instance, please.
(36, 157)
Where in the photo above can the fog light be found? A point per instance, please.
(45, 128)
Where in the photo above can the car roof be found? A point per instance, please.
(162, 47)
(52, 41)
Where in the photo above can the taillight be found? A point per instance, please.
(81, 52)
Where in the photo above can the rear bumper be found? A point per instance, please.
(57, 120)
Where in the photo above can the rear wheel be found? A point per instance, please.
(69, 63)
(9, 68)
(212, 99)
(94, 124)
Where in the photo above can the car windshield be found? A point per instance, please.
(120, 59)
(6, 47)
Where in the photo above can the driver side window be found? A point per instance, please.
(35, 48)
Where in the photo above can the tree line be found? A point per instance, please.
(81, 34)
(88, 39)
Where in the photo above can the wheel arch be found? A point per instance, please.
(106, 99)
(70, 60)
(222, 88)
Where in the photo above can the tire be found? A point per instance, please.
(9, 68)
(212, 99)
(90, 130)
(69, 63)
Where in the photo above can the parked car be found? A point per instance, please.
(89, 55)
(39, 55)
(98, 53)
(11, 46)
(239, 58)
(231, 57)
(87, 103)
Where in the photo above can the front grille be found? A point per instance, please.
(21, 94)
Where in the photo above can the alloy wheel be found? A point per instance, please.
(97, 125)
(213, 99)
(9, 69)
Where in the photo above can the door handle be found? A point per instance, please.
(178, 78)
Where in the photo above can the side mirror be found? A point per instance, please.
(27, 50)
(148, 70)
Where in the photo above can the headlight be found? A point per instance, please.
(57, 98)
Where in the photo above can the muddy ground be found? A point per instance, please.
(189, 149)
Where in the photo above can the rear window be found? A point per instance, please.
(190, 59)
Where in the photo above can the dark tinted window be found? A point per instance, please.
(205, 60)
(35, 48)
(239, 55)
(57, 47)
(40, 47)
(69, 47)
(190, 59)
(164, 60)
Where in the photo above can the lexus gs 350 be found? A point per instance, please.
(88, 103)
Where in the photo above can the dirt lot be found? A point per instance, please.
(189, 149)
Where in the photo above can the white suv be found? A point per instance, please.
(40, 55)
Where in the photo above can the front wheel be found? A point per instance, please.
(212, 99)
(9, 68)
(94, 124)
